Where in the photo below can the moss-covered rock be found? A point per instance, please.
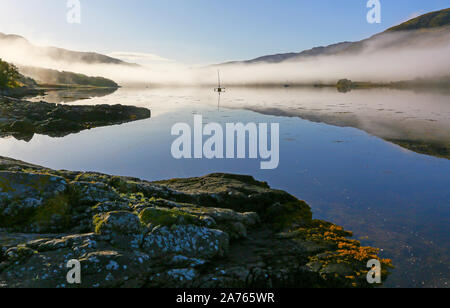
(214, 231)
(18, 254)
(186, 240)
(25, 197)
(232, 222)
(117, 222)
(289, 215)
(53, 216)
(167, 217)
(93, 193)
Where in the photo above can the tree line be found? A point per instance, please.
(9, 75)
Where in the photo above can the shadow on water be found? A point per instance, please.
(73, 95)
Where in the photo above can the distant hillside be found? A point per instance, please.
(430, 20)
(57, 54)
(54, 77)
(328, 50)
(430, 29)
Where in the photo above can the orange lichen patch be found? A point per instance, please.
(387, 262)
(342, 251)
(321, 231)
(358, 253)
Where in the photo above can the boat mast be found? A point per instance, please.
(218, 77)
(219, 88)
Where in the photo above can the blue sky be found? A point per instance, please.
(203, 31)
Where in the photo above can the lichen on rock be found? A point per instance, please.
(214, 231)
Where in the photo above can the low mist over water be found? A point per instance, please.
(387, 57)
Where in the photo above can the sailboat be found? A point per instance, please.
(219, 88)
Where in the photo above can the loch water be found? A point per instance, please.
(373, 161)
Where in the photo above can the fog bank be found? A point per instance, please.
(380, 59)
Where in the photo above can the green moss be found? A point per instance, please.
(166, 217)
(41, 183)
(5, 186)
(139, 197)
(14, 220)
(58, 205)
(74, 194)
(21, 253)
(25, 251)
(119, 184)
(91, 177)
(97, 222)
(289, 215)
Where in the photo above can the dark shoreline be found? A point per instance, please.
(22, 119)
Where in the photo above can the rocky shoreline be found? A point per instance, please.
(22, 119)
(219, 230)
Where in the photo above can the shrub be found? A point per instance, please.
(9, 75)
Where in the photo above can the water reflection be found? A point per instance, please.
(416, 121)
(72, 95)
(389, 196)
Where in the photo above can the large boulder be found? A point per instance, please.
(186, 240)
(120, 222)
(31, 199)
(121, 228)
(93, 193)
(22, 186)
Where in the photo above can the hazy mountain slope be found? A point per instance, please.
(316, 51)
(54, 53)
(431, 20)
(427, 30)
(54, 77)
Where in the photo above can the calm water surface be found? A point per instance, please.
(334, 154)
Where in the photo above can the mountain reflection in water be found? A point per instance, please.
(330, 156)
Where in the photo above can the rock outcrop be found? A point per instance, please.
(219, 230)
(22, 119)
